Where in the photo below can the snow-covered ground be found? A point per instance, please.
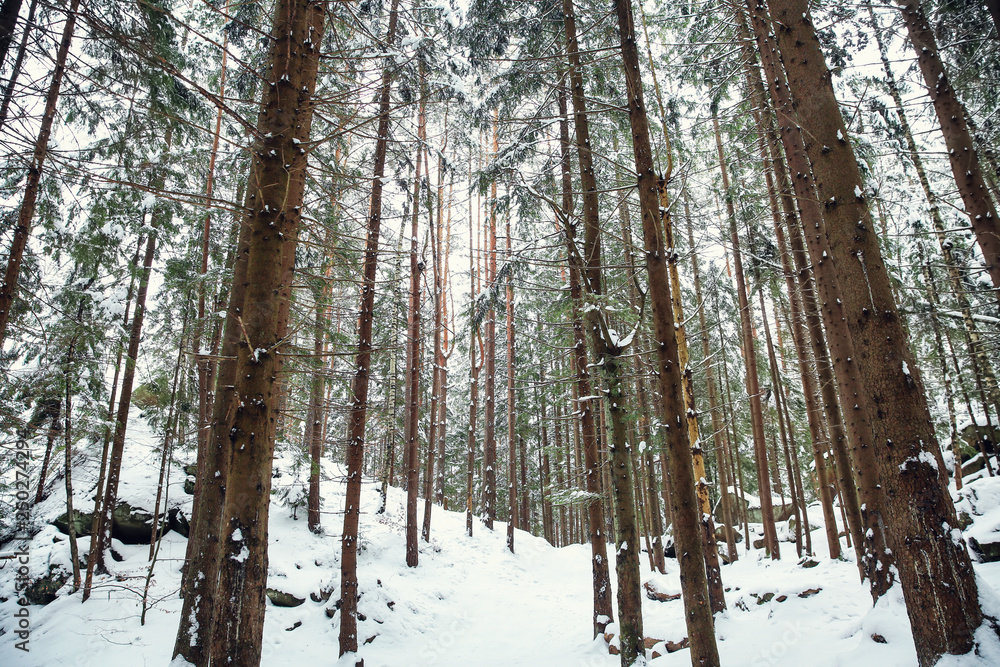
(469, 603)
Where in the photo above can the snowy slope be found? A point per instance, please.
(470, 602)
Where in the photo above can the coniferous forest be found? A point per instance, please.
(478, 332)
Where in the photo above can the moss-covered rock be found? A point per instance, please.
(43, 590)
(134, 525)
(282, 599)
(720, 533)
(988, 552)
(81, 522)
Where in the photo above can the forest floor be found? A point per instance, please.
(469, 602)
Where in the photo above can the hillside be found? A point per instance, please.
(470, 602)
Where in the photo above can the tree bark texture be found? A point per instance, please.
(750, 361)
(938, 582)
(600, 573)
(965, 166)
(26, 214)
(357, 419)
(279, 161)
(684, 500)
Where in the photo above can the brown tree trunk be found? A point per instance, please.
(965, 167)
(170, 428)
(544, 464)
(878, 559)
(524, 520)
(734, 448)
(110, 501)
(982, 367)
(8, 24)
(95, 523)
(684, 500)
(489, 414)
(68, 471)
(446, 349)
(204, 543)
(8, 289)
(512, 493)
(750, 360)
(51, 410)
(784, 431)
(8, 93)
(938, 582)
(932, 298)
(437, 382)
(803, 530)
(470, 463)
(601, 578)
(564, 521)
(206, 363)
(776, 177)
(715, 590)
(279, 175)
(607, 351)
(357, 419)
(315, 417)
(713, 402)
(412, 408)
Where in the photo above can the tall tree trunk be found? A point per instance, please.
(965, 167)
(779, 403)
(446, 349)
(8, 92)
(169, 429)
(724, 482)
(359, 384)
(877, 558)
(437, 296)
(564, 521)
(110, 501)
(412, 420)
(600, 575)
(512, 500)
(68, 434)
(51, 409)
(205, 362)
(938, 582)
(524, 520)
(715, 590)
(684, 501)
(804, 526)
(734, 450)
(981, 364)
(315, 417)
(474, 338)
(26, 214)
(489, 415)
(8, 24)
(545, 468)
(943, 360)
(204, 540)
(801, 297)
(608, 351)
(95, 523)
(816, 379)
(750, 360)
(278, 173)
